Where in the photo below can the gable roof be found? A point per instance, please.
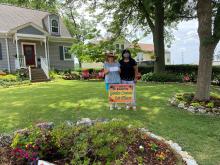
(29, 24)
(146, 47)
(12, 17)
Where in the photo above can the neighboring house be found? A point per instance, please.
(216, 60)
(146, 56)
(33, 38)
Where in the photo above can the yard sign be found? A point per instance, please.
(121, 93)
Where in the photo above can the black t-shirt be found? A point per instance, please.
(127, 69)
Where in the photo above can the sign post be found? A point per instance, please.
(121, 93)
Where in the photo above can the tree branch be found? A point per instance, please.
(147, 16)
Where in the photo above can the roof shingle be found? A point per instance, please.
(13, 16)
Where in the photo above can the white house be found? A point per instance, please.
(146, 56)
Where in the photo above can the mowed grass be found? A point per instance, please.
(71, 100)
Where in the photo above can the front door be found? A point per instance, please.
(29, 54)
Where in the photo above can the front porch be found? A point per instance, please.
(32, 52)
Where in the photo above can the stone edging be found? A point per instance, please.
(199, 110)
(189, 160)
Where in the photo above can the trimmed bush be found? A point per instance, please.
(161, 77)
(179, 69)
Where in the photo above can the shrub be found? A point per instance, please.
(9, 78)
(31, 145)
(23, 74)
(161, 77)
(190, 70)
(185, 97)
(71, 76)
(107, 141)
(54, 75)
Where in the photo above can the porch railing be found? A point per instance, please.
(44, 66)
(20, 62)
(29, 71)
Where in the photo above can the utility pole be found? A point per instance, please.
(182, 54)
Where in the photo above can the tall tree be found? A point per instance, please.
(148, 15)
(80, 27)
(208, 12)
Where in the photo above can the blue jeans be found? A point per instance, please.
(134, 90)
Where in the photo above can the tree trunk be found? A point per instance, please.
(158, 37)
(204, 74)
(206, 50)
(80, 63)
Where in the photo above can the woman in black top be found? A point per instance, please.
(129, 73)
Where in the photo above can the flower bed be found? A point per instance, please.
(186, 102)
(11, 80)
(90, 142)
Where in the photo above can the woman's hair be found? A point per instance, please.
(126, 51)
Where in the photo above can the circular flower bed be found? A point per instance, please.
(90, 142)
(186, 102)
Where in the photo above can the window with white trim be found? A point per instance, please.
(117, 47)
(66, 53)
(54, 26)
(122, 46)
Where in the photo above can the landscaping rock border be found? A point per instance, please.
(199, 110)
(6, 140)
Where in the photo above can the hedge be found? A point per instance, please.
(178, 69)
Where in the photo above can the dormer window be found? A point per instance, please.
(54, 26)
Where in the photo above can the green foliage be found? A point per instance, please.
(54, 75)
(105, 141)
(184, 97)
(9, 78)
(210, 105)
(181, 70)
(49, 5)
(195, 104)
(161, 77)
(33, 143)
(12, 80)
(154, 147)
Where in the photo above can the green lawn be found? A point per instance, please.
(72, 100)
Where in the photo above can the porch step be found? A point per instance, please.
(38, 75)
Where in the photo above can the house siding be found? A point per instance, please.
(30, 30)
(12, 53)
(40, 51)
(54, 54)
(4, 61)
(55, 61)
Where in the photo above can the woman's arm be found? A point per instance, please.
(106, 71)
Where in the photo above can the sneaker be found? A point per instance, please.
(134, 108)
(127, 107)
(118, 107)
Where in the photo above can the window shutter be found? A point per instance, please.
(61, 53)
(0, 51)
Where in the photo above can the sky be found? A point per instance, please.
(185, 47)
